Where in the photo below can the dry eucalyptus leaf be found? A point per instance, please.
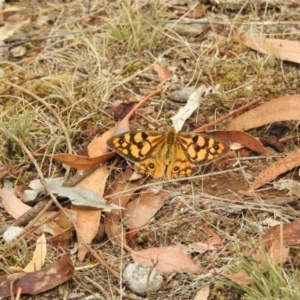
(279, 109)
(82, 162)
(240, 277)
(287, 233)
(192, 104)
(98, 146)
(278, 253)
(12, 204)
(167, 260)
(282, 49)
(275, 169)
(9, 9)
(139, 211)
(121, 196)
(120, 111)
(162, 73)
(197, 12)
(88, 220)
(78, 196)
(39, 255)
(203, 293)
(39, 281)
(87, 225)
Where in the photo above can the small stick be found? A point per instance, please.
(98, 286)
(141, 103)
(27, 216)
(22, 82)
(123, 125)
(204, 127)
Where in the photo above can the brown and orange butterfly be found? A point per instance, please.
(175, 154)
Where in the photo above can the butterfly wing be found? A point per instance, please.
(201, 148)
(191, 149)
(141, 148)
(153, 164)
(180, 165)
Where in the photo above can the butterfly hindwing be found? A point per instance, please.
(152, 166)
(180, 165)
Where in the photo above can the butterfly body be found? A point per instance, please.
(175, 154)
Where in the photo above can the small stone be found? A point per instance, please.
(182, 95)
(18, 51)
(11, 233)
(137, 278)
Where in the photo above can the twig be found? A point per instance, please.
(151, 269)
(98, 286)
(80, 176)
(123, 125)
(204, 127)
(22, 82)
(27, 216)
(141, 103)
(19, 292)
(11, 287)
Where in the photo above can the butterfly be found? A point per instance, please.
(175, 154)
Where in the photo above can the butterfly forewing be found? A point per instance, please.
(135, 145)
(201, 148)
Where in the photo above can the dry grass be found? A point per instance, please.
(91, 54)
